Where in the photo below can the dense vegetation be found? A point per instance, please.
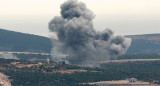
(146, 71)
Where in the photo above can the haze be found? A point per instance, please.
(122, 16)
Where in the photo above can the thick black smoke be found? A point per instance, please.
(77, 38)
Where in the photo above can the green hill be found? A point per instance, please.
(16, 41)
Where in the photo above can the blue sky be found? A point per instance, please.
(122, 16)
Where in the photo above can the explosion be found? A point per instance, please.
(77, 38)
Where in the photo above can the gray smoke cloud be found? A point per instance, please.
(77, 38)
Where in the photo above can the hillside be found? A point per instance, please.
(144, 44)
(16, 41)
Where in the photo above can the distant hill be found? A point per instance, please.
(144, 44)
(16, 41)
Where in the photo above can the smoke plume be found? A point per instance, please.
(77, 38)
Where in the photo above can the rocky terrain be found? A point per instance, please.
(4, 81)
